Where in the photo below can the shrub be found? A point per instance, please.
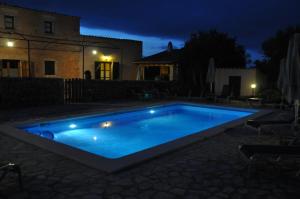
(270, 95)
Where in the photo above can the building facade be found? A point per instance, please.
(241, 81)
(164, 66)
(37, 43)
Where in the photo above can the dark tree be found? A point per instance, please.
(197, 52)
(275, 48)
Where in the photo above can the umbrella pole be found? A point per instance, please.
(296, 111)
(281, 102)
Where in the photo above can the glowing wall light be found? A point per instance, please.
(10, 44)
(106, 57)
(253, 86)
(94, 52)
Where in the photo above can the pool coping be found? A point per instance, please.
(114, 165)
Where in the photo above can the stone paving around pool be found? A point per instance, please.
(208, 169)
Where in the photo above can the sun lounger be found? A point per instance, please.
(257, 124)
(290, 139)
(13, 168)
(164, 93)
(275, 152)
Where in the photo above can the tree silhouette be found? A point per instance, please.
(275, 48)
(197, 52)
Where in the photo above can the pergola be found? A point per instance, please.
(165, 62)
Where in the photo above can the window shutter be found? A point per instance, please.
(116, 71)
(49, 68)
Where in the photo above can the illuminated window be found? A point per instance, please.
(9, 22)
(105, 71)
(48, 25)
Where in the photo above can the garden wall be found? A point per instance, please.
(29, 92)
(78, 90)
(25, 92)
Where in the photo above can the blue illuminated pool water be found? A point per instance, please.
(120, 134)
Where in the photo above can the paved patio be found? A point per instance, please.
(208, 169)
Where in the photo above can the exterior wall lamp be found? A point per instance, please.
(106, 58)
(253, 87)
(10, 44)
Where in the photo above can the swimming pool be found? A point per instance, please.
(123, 135)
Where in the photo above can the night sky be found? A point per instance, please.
(156, 22)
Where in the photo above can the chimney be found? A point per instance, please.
(170, 46)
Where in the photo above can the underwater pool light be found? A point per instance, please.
(72, 126)
(152, 111)
(106, 124)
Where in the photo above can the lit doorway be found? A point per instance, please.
(107, 70)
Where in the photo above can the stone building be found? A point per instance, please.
(164, 66)
(46, 44)
(241, 81)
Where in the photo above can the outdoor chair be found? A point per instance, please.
(9, 167)
(164, 93)
(274, 154)
(255, 100)
(147, 94)
(152, 93)
(225, 95)
(140, 94)
(258, 124)
(285, 136)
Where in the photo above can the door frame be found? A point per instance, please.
(234, 91)
(98, 69)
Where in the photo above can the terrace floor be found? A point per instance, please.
(208, 169)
